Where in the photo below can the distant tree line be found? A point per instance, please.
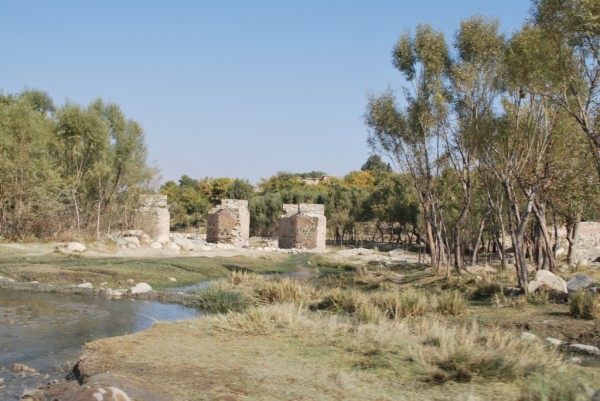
(67, 171)
(367, 205)
(499, 136)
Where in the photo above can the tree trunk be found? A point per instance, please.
(572, 238)
(539, 209)
(477, 242)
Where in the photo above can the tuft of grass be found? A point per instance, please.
(539, 297)
(217, 300)
(279, 291)
(344, 301)
(464, 352)
(584, 305)
(556, 388)
(450, 303)
(409, 303)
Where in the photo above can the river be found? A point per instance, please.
(47, 331)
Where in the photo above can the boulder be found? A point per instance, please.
(170, 246)
(225, 246)
(580, 282)
(584, 349)
(19, 367)
(74, 247)
(183, 243)
(528, 336)
(132, 242)
(85, 285)
(140, 288)
(554, 341)
(155, 245)
(548, 280)
(172, 279)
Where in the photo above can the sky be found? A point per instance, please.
(228, 88)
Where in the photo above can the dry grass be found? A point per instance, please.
(584, 305)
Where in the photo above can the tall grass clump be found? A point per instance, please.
(341, 301)
(584, 305)
(450, 303)
(464, 352)
(555, 388)
(217, 300)
(262, 320)
(409, 303)
(279, 291)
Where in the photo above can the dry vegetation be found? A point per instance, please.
(360, 332)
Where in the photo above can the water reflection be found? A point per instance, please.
(46, 330)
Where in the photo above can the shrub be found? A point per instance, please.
(216, 300)
(584, 304)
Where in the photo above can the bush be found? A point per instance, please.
(216, 300)
(584, 305)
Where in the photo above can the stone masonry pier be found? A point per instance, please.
(229, 223)
(303, 226)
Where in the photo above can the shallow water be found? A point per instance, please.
(45, 330)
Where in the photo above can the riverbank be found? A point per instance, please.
(365, 325)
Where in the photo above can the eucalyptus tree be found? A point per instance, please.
(475, 88)
(411, 135)
(29, 182)
(565, 38)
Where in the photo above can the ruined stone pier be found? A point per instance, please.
(229, 223)
(153, 217)
(303, 226)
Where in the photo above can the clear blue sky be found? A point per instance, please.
(228, 88)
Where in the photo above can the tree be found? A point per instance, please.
(567, 34)
(411, 135)
(240, 189)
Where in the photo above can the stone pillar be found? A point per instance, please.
(229, 223)
(153, 217)
(303, 226)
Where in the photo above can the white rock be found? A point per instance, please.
(170, 246)
(225, 246)
(132, 242)
(130, 281)
(583, 262)
(85, 285)
(75, 247)
(528, 336)
(184, 243)
(550, 281)
(585, 349)
(34, 282)
(155, 245)
(206, 248)
(102, 284)
(554, 341)
(172, 279)
(140, 288)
